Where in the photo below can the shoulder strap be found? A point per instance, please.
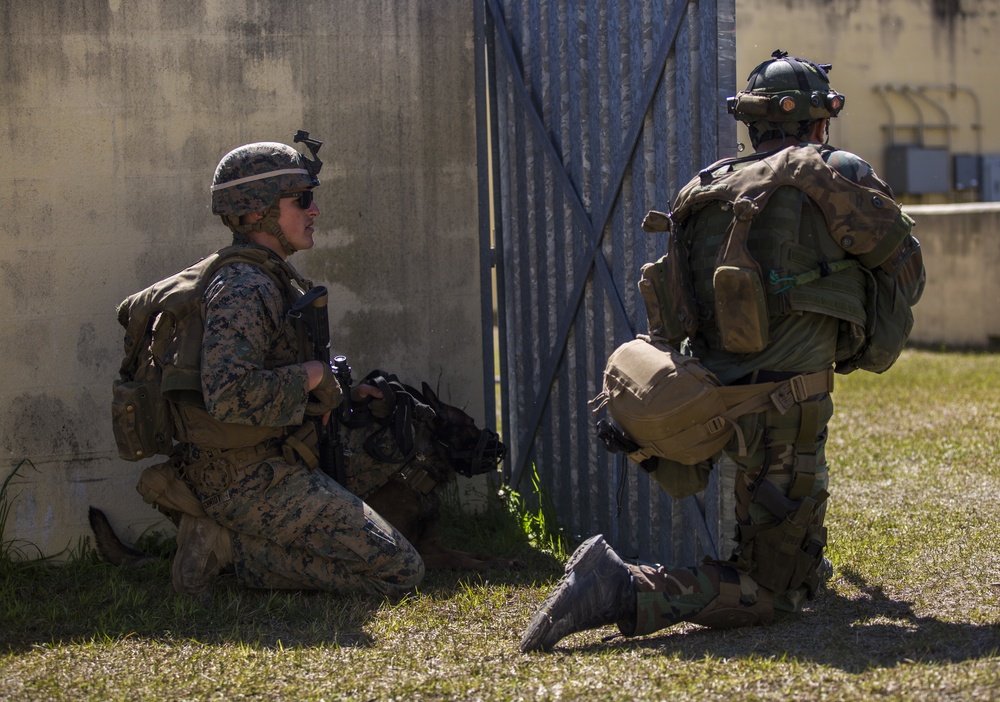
(181, 293)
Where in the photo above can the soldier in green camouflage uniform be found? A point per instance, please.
(271, 519)
(782, 477)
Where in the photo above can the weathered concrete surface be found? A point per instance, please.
(114, 117)
(961, 303)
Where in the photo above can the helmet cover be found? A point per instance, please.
(786, 89)
(252, 177)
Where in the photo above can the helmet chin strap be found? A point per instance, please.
(268, 224)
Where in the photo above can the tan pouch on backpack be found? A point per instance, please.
(162, 485)
(673, 407)
(741, 309)
(740, 298)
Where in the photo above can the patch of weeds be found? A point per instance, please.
(536, 515)
(11, 550)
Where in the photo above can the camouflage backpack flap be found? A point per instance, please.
(863, 221)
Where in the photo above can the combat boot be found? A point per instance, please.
(204, 548)
(596, 590)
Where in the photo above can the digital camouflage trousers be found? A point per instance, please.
(295, 528)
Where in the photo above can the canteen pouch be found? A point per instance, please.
(740, 309)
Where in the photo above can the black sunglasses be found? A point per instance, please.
(304, 198)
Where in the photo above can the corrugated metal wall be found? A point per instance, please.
(599, 112)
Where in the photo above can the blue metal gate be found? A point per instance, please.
(591, 113)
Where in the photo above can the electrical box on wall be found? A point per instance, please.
(990, 190)
(916, 170)
(968, 171)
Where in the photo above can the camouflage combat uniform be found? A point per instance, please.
(786, 451)
(291, 527)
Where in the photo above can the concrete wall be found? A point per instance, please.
(114, 117)
(918, 49)
(961, 303)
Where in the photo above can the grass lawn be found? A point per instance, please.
(913, 611)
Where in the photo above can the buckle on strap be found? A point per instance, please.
(800, 388)
(417, 478)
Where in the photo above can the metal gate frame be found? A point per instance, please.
(590, 113)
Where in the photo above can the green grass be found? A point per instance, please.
(913, 611)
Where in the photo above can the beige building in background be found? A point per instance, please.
(915, 72)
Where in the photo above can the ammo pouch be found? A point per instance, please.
(141, 421)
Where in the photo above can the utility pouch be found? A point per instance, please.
(665, 285)
(161, 485)
(654, 286)
(141, 421)
(740, 309)
(787, 553)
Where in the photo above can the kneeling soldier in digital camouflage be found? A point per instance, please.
(820, 273)
(252, 388)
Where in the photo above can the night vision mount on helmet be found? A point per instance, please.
(786, 89)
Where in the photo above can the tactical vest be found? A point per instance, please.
(159, 395)
(815, 234)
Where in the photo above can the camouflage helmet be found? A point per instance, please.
(252, 177)
(786, 89)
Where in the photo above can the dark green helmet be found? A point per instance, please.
(252, 177)
(786, 89)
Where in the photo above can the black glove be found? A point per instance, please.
(326, 396)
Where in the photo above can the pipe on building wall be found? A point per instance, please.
(913, 95)
(952, 90)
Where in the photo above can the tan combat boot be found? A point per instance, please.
(204, 548)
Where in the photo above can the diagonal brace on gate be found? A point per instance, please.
(594, 234)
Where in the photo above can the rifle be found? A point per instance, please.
(311, 308)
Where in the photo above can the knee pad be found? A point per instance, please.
(740, 602)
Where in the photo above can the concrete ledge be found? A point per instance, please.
(960, 307)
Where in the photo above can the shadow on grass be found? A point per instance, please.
(88, 599)
(852, 634)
